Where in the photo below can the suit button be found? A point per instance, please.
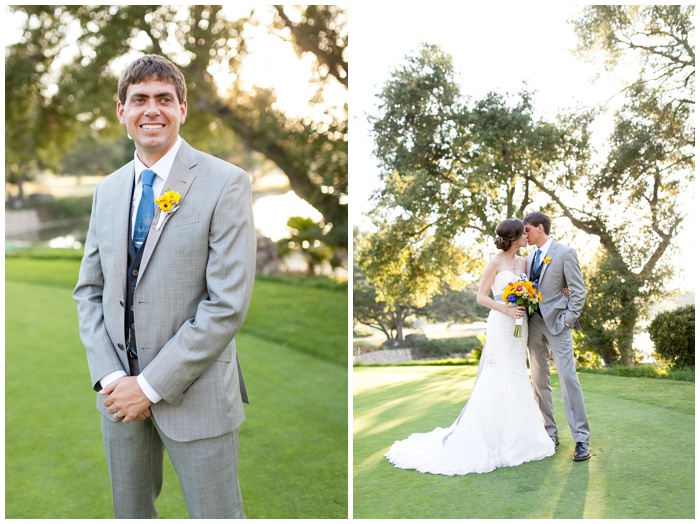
(133, 326)
(121, 303)
(121, 346)
(135, 272)
(132, 308)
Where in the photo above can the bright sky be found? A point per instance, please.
(494, 46)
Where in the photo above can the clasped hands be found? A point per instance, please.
(126, 400)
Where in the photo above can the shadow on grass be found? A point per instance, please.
(412, 405)
(628, 417)
(572, 503)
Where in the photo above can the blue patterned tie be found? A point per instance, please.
(536, 263)
(144, 215)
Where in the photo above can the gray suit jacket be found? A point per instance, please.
(562, 271)
(191, 297)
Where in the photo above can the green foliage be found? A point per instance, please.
(304, 281)
(442, 362)
(35, 134)
(408, 270)
(455, 305)
(455, 361)
(367, 309)
(650, 163)
(611, 310)
(308, 238)
(450, 167)
(683, 374)
(43, 253)
(443, 347)
(296, 427)
(96, 154)
(401, 274)
(66, 207)
(643, 370)
(52, 102)
(661, 36)
(673, 335)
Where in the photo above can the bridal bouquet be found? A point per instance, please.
(522, 292)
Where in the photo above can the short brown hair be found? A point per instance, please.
(538, 218)
(152, 67)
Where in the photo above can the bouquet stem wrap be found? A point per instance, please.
(518, 327)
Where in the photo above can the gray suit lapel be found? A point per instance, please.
(180, 179)
(122, 209)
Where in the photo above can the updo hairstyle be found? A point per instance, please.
(508, 232)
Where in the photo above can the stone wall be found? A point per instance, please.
(21, 221)
(384, 356)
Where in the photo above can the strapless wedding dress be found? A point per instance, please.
(501, 424)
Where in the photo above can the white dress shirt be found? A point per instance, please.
(162, 170)
(544, 249)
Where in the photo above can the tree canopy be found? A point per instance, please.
(452, 168)
(61, 79)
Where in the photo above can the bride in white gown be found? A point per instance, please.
(501, 424)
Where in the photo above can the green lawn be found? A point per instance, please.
(293, 445)
(642, 439)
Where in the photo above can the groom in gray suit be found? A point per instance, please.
(553, 267)
(162, 291)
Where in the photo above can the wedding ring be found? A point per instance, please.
(116, 414)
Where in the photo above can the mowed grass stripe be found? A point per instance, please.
(642, 439)
(308, 319)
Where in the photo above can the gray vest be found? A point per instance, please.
(535, 278)
(133, 265)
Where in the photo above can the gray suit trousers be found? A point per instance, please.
(207, 469)
(542, 344)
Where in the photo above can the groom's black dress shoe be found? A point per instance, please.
(555, 440)
(582, 452)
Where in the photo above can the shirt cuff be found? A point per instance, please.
(148, 390)
(108, 379)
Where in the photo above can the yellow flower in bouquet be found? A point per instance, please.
(521, 293)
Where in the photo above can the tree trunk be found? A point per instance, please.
(625, 335)
(298, 172)
(399, 312)
(20, 191)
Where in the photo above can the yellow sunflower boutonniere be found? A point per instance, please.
(168, 203)
(547, 260)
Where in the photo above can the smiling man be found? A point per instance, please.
(163, 289)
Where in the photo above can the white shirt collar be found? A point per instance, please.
(162, 167)
(545, 247)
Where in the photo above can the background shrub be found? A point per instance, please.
(443, 347)
(673, 335)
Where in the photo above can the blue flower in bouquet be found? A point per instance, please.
(512, 298)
